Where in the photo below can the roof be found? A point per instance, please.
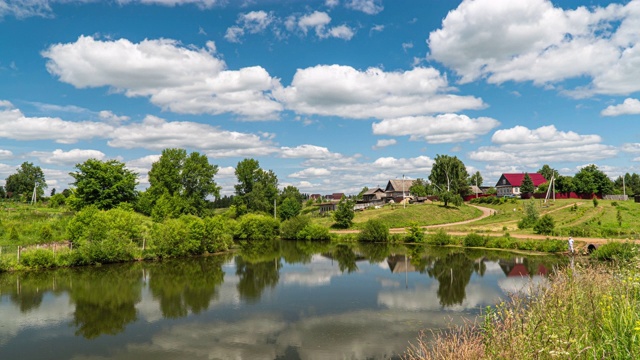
(516, 179)
(475, 189)
(373, 191)
(396, 185)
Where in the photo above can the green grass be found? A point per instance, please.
(397, 216)
(22, 224)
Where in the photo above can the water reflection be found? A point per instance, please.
(325, 301)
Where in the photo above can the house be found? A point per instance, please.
(509, 184)
(328, 207)
(398, 189)
(373, 195)
(315, 196)
(334, 197)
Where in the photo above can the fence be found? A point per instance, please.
(16, 250)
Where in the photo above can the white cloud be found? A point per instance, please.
(633, 148)
(204, 4)
(252, 22)
(445, 128)
(311, 173)
(407, 45)
(370, 7)
(71, 157)
(5, 154)
(156, 134)
(15, 125)
(334, 90)
(417, 164)
(174, 77)
(341, 32)
(376, 28)
(111, 118)
(628, 107)
(382, 143)
(316, 20)
(525, 147)
(531, 40)
(331, 3)
(309, 152)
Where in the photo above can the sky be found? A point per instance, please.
(332, 95)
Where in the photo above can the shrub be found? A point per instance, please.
(544, 225)
(502, 242)
(530, 215)
(290, 228)
(218, 234)
(57, 200)
(257, 227)
(618, 251)
(440, 237)
(344, 214)
(374, 230)
(46, 232)
(314, 232)
(595, 202)
(474, 240)
(614, 203)
(37, 258)
(172, 238)
(415, 234)
(551, 246)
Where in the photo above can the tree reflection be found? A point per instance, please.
(346, 258)
(375, 252)
(182, 286)
(105, 299)
(255, 277)
(453, 273)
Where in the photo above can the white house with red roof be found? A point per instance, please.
(509, 184)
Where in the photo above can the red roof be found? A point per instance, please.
(516, 179)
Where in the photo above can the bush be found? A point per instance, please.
(415, 234)
(374, 230)
(344, 214)
(595, 202)
(530, 215)
(314, 232)
(37, 258)
(257, 227)
(502, 242)
(218, 234)
(440, 237)
(57, 200)
(544, 225)
(172, 238)
(474, 240)
(618, 251)
(290, 228)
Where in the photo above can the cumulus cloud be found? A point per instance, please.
(15, 125)
(370, 7)
(311, 173)
(334, 90)
(71, 157)
(111, 118)
(5, 154)
(154, 133)
(382, 143)
(628, 107)
(309, 152)
(319, 21)
(174, 77)
(532, 40)
(252, 22)
(532, 147)
(445, 128)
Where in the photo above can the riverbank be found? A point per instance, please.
(588, 312)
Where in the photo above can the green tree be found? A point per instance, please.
(104, 184)
(547, 172)
(564, 184)
(27, 177)
(527, 185)
(530, 215)
(289, 208)
(420, 188)
(3, 194)
(181, 181)
(475, 179)
(590, 180)
(361, 193)
(449, 174)
(544, 225)
(256, 189)
(344, 214)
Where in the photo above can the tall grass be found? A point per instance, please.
(582, 313)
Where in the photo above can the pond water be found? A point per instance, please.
(279, 300)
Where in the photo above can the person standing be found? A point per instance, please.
(570, 244)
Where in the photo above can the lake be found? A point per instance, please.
(274, 300)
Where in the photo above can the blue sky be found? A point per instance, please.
(333, 95)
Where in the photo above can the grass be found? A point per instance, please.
(582, 313)
(396, 216)
(22, 224)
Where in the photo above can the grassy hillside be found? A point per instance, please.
(396, 216)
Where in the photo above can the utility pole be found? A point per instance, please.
(404, 203)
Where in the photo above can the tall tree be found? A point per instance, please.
(27, 177)
(475, 179)
(181, 183)
(104, 184)
(420, 188)
(256, 189)
(547, 172)
(590, 180)
(564, 184)
(527, 186)
(449, 174)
